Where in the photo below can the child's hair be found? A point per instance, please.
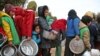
(34, 26)
(86, 19)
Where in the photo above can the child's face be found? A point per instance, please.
(37, 29)
(11, 13)
(46, 12)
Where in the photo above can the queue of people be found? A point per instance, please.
(17, 24)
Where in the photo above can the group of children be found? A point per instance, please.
(18, 23)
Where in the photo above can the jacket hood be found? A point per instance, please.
(72, 14)
(18, 10)
(41, 10)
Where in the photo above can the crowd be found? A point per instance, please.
(17, 24)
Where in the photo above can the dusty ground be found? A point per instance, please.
(53, 51)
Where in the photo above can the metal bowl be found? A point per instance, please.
(77, 46)
(28, 48)
(8, 50)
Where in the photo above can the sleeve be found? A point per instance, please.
(76, 26)
(34, 38)
(37, 40)
(43, 24)
(7, 30)
(86, 39)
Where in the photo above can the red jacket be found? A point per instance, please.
(28, 22)
(24, 21)
(59, 24)
(19, 14)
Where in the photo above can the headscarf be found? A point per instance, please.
(32, 5)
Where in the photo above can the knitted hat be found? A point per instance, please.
(32, 5)
(89, 13)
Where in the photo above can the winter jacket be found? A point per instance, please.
(28, 22)
(85, 34)
(93, 28)
(24, 21)
(72, 27)
(8, 26)
(59, 25)
(14, 33)
(45, 43)
(18, 19)
(49, 20)
(35, 37)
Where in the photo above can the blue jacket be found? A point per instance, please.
(72, 27)
(35, 37)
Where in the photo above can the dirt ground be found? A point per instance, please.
(54, 49)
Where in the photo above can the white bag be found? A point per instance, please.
(49, 35)
(93, 52)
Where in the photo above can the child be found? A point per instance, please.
(36, 34)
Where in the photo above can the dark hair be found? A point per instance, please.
(45, 7)
(1, 7)
(72, 14)
(98, 17)
(2, 3)
(86, 19)
(8, 8)
(34, 26)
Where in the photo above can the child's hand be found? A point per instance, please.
(77, 37)
(10, 43)
(28, 38)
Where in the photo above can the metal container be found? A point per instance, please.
(77, 46)
(9, 50)
(28, 48)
